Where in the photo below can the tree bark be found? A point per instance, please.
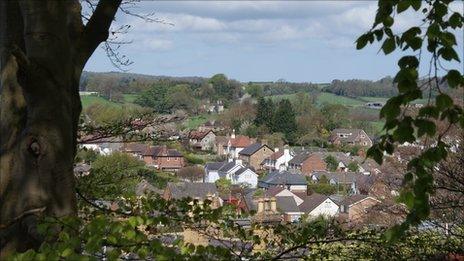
(43, 49)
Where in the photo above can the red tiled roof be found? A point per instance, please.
(241, 141)
(198, 134)
(276, 155)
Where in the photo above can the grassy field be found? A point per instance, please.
(130, 98)
(195, 121)
(326, 97)
(88, 100)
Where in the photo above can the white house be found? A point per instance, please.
(278, 160)
(319, 205)
(233, 171)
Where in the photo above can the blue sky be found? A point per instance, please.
(310, 41)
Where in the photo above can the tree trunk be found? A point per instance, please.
(43, 49)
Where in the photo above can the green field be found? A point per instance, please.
(130, 98)
(195, 121)
(325, 97)
(88, 100)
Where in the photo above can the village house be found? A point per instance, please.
(355, 207)
(353, 137)
(235, 144)
(345, 180)
(202, 140)
(316, 205)
(220, 145)
(198, 191)
(284, 179)
(255, 154)
(163, 158)
(289, 209)
(212, 125)
(233, 171)
(103, 146)
(278, 160)
(283, 192)
(307, 162)
(135, 149)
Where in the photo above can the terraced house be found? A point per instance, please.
(255, 154)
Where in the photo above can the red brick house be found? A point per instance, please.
(163, 158)
(307, 162)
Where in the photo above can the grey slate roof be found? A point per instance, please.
(214, 165)
(283, 178)
(311, 202)
(252, 149)
(299, 158)
(240, 171)
(145, 187)
(286, 204)
(339, 177)
(227, 166)
(192, 190)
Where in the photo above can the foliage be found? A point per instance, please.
(85, 155)
(332, 163)
(285, 121)
(264, 113)
(254, 90)
(335, 115)
(225, 88)
(437, 33)
(223, 184)
(192, 159)
(115, 174)
(353, 166)
(357, 88)
(274, 140)
(191, 173)
(323, 188)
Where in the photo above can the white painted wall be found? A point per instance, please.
(248, 177)
(327, 208)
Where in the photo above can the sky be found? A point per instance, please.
(300, 41)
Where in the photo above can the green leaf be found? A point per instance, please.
(455, 20)
(402, 6)
(361, 42)
(433, 31)
(408, 61)
(425, 127)
(448, 39)
(429, 111)
(388, 21)
(454, 78)
(404, 132)
(415, 43)
(416, 4)
(448, 53)
(389, 45)
(375, 153)
(443, 101)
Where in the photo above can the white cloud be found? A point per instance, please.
(154, 44)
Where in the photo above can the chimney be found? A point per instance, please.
(238, 162)
(233, 134)
(276, 149)
(286, 152)
(260, 205)
(230, 159)
(273, 204)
